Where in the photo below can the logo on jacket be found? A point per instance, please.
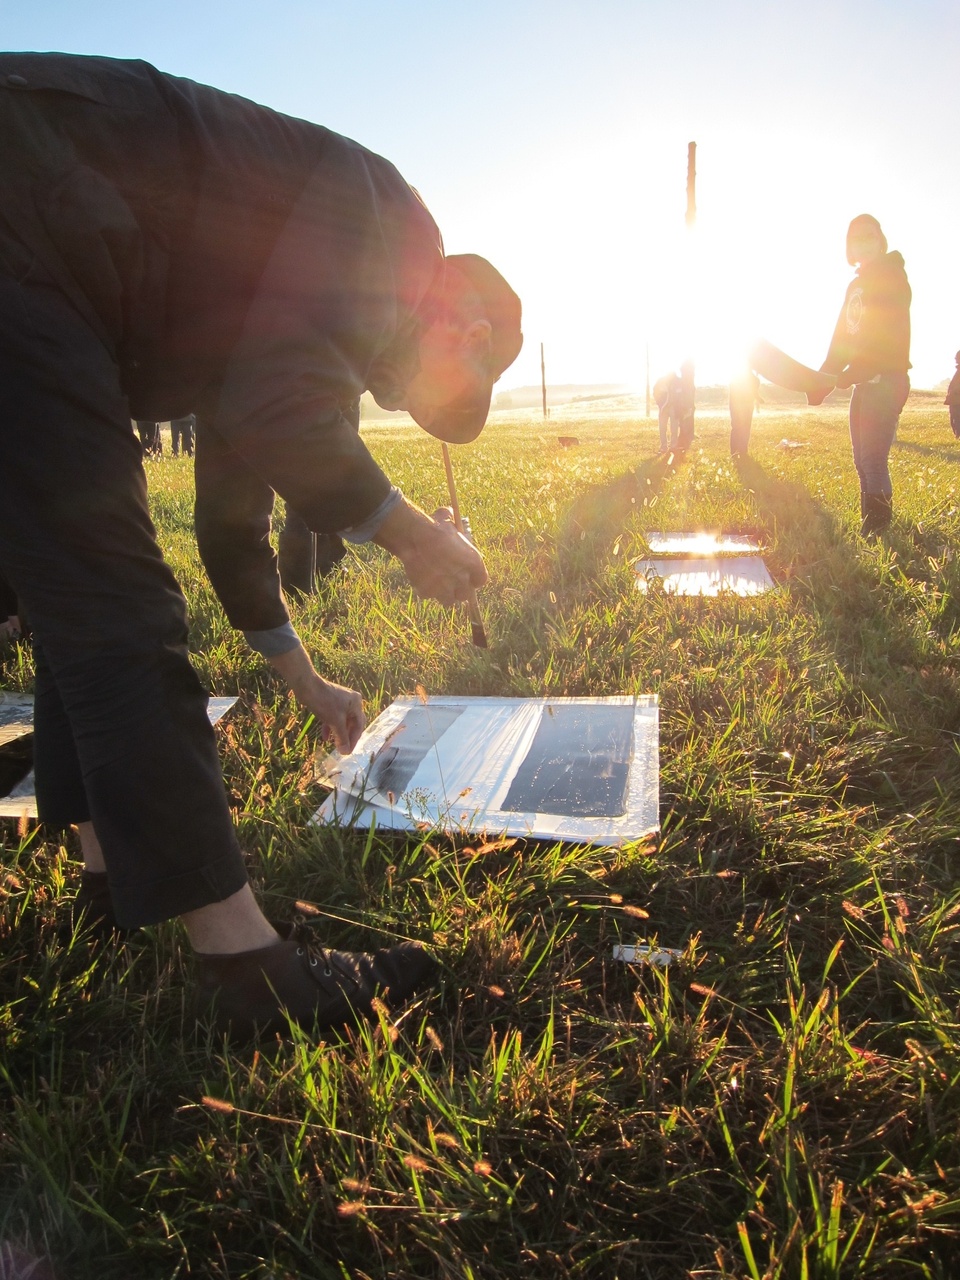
(854, 311)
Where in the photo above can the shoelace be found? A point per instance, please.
(310, 953)
(327, 971)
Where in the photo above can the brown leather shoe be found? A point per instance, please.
(318, 989)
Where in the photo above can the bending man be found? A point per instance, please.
(166, 248)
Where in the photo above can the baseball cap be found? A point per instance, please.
(463, 419)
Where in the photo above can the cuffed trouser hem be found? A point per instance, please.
(141, 904)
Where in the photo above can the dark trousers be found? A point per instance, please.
(955, 419)
(8, 599)
(874, 413)
(669, 423)
(685, 432)
(304, 557)
(121, 732)
(182, 436)
(151, 441)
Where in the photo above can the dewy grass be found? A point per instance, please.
(782, 1101)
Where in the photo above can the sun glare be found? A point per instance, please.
(734, 278)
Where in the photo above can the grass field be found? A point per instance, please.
(782, 1102)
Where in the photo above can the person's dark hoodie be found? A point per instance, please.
(873, 332)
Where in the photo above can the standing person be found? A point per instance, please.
(952, 399)
(170, 247)
(666, 392)
(182, 434)
(686, 404)
(870, 351)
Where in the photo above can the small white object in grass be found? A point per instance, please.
(641, 954)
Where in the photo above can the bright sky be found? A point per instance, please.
(551, 136)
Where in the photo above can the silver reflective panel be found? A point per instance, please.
(418, 732)
(578, 763)
(701, 544)
(737, 575)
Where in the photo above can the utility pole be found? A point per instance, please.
(691, 185)
(543, 381)
(648, 379)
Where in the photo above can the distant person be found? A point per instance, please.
(870, 351)
(182, 435)
(744, 398)
(686, 404)
(151, 442)
(952, 399)
(666, 393)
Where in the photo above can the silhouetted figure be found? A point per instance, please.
(952, 400)
(666, 393)
(183, 433)
(870, 351)
(744, 397)
(686, 399)
(150, 440)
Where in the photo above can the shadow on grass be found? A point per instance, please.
(910, 446)
(601, 512)
(859, 603)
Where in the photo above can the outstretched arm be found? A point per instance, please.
(338, 711)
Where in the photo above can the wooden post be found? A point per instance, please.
(543, 381)
(691, 184)
(648, 379)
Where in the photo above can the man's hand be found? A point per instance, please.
(439, 562)
(338, 711)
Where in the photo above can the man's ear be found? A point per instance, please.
(477, 338)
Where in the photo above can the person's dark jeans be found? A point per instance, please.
(874, 412)
(151, 441)
(686, 432)
(122, 735)
(955, 419)
(8, 599)
(182, 436)
(303, 556)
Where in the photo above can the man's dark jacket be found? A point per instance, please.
(256, 269)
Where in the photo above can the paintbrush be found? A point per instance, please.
(476, 621)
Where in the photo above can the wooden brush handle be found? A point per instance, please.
(473, 607)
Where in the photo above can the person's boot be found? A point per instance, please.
(264, 990)
(876, 511)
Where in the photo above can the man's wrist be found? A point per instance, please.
(402, 530)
